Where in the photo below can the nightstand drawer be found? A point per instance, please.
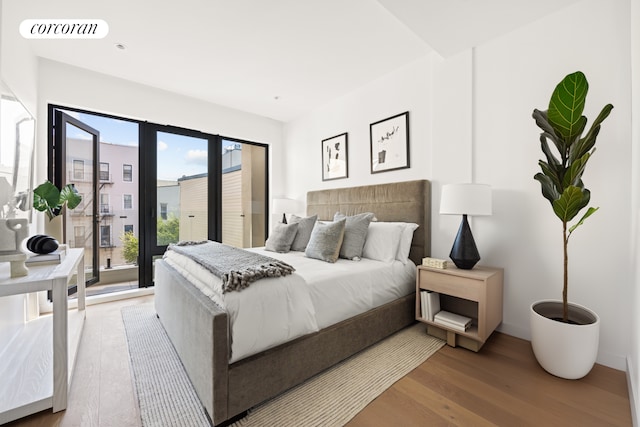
(461, 287)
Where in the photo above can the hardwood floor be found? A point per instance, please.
(501, 385)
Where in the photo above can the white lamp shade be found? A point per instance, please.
(465, 199)
(287, 206)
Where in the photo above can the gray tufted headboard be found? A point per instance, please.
(408, 201)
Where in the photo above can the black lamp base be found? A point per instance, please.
(464, 252)
(284, 218)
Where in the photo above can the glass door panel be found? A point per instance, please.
(181, 188)
(77, 166)
(244, 192)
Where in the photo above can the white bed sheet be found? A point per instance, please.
(273, 311)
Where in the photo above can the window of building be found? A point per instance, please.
(105, 236)
(104, 171)
(128, 201)
(127, 173)
(163, 210)
(104, 204)
(128, 228)
(78, 169)
(78, 236)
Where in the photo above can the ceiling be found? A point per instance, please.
(276, 58)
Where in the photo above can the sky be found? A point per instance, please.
(178, 155)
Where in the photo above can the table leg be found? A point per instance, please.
(81, 284)
(60, 345)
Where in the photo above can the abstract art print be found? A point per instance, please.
(335, 164)
(390, 143)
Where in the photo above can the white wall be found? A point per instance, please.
(18, 65)
(471, 120)
(633, 361)
(395, 93)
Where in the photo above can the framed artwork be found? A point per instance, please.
(335, 164)
(390, 143)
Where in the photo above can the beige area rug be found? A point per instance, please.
(331, 398)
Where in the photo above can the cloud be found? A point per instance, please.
(162, 146)
(197, 157)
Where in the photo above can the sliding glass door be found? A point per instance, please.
(244, 193)
(77, 157)
(155, 185)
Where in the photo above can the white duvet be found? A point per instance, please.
(273, 311)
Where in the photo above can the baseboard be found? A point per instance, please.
(633, 392)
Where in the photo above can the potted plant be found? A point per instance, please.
(51, 200)
(564, 335)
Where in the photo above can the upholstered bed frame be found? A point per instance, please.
(199, 329)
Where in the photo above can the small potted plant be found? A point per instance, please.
(564, 335)
(49, 199)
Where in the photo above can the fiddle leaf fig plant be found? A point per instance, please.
(561, 182)
(49, 199)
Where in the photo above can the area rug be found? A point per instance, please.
(332, 398)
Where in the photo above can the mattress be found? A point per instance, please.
(273, 311)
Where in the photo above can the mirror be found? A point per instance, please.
(17, 138)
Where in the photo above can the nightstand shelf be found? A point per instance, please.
(475, 293)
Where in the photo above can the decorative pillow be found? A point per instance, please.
(325, 240)
(404, 247)
(305, 226)
(382, 241)
(281, 237)
(355, 233)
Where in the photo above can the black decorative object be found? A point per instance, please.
(465, 199)
(42, 244)
(464, 252)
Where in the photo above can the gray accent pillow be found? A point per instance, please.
(305, 226)
(355, 233)
(281, 237)
(325, 240)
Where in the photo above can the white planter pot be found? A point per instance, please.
(565, 350)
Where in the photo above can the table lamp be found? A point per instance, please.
(465, 199)
(283, 206)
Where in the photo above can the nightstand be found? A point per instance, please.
(475, 293)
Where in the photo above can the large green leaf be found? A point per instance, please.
(574, 173)
(566, 106)
(46, 197)
(69, 195)
(590, 212)
(542, 121)
(571, 201)
(585, 144)
(549, 190)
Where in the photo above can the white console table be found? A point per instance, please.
(30, 382)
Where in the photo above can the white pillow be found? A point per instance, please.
(404, 247)
(382, 241)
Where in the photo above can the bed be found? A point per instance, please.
(201, 333)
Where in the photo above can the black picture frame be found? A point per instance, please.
(389, 143)
(335, 157)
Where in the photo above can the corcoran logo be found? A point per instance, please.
(64, 28)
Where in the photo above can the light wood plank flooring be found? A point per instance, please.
(501, 385)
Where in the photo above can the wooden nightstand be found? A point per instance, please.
(475, 293)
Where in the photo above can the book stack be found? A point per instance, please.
(429, 304)
(434, 263)
(54, 257)
(452, 320)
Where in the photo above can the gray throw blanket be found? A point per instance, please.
(236, 267)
